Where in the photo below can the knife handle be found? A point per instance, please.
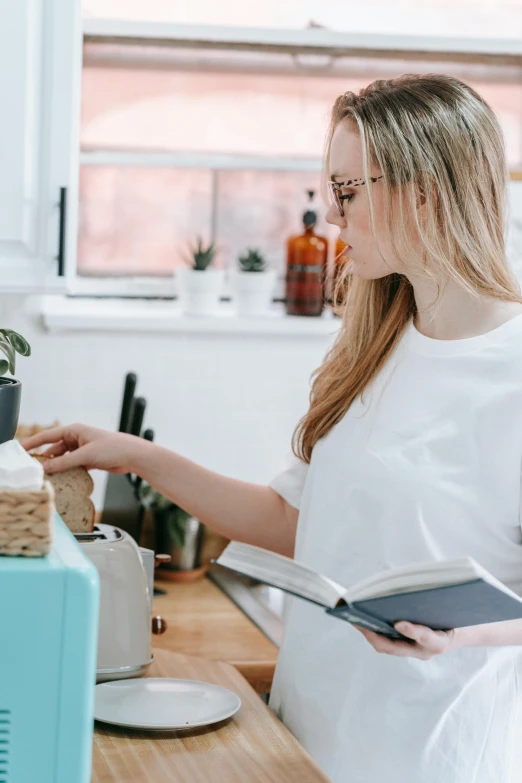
(138, 415)
(128, 400)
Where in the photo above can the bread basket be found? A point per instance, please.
(26, 521)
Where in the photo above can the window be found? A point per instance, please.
(466, 18)
(223, 142)
(137, 220)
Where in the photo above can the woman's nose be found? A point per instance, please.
(333, 217)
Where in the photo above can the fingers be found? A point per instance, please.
(48, 436)
(432, 642)
(57, 450)
(382, 644)
(427, 642)
(71, 459)
(436, 641)
(419, 633)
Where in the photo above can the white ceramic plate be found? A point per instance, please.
(161, 704)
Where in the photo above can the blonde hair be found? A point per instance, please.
(433, 135)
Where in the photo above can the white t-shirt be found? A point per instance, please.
(426, 466)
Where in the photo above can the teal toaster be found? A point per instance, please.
(48, 640)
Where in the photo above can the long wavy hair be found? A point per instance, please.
(433, 135)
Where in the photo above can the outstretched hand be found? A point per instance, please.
(427, 645)
(78, 444)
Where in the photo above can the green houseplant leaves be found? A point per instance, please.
(12, 343)
(253, 261)
(202, 257)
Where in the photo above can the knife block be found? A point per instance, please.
(121, 508)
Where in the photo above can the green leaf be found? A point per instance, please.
(202, 257)
(18, 342)
(253, 261)
(4, 366)
(176, 526)
(9, 351)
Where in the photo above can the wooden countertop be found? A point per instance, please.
(203, 621)
(252, 746)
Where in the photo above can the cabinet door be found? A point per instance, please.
(40, 78)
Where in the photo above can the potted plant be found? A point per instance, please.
(11, 343)
(254, 284)
(202, 284)
(177, 534)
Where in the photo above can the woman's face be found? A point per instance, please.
(346, 162)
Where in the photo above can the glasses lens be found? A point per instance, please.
(336, 192)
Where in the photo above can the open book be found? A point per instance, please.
(441, 595)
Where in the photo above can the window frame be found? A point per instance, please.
(315, 41)
(165, 286)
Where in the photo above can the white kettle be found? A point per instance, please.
(124, 636)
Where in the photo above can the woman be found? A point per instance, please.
(411, 449)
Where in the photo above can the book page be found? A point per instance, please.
(419, 576)
(281, 572)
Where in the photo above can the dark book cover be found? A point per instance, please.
(441, 608)
(356, 616)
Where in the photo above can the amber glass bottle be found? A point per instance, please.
(306, 267)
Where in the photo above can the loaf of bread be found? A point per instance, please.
(72, 490)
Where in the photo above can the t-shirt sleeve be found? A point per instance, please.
(290, 481)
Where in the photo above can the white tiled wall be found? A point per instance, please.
(228, 401)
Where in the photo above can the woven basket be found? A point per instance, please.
(26, 521)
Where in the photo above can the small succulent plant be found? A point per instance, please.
(253, 261)
(12, 343)
(201, 256)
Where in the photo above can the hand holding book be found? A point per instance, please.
(419, 641)
(418, 605)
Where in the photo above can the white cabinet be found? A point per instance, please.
(40, 80)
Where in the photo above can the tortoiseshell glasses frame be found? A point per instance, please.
(338, 197)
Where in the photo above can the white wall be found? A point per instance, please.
(229, 402)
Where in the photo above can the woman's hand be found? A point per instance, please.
(78, 444)
(428, 643)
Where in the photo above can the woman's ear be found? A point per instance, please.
(423, 200)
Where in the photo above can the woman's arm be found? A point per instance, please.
(238, 510)
(428, 643)
(504, 634)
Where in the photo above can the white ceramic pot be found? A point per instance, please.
(254, 292)
(200, 291)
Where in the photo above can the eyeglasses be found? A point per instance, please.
(335, 189)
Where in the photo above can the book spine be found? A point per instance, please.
(356, 616)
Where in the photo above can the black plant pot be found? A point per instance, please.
(10, 396)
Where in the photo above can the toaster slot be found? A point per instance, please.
(107, 534)
(90, 537)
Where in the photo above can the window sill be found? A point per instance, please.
(63, 314)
